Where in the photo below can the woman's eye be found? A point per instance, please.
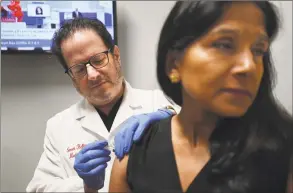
(223, 45)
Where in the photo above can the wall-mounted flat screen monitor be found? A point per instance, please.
(29, 25)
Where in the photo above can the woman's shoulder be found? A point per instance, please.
(158, 130)
(157, 134)
(145, 153)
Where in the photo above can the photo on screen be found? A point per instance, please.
(30, 25)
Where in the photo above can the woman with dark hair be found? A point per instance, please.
(231, 135)
(39, 11)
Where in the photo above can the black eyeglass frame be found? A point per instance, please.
(68, 70)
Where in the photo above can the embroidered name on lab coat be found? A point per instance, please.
(72, 151)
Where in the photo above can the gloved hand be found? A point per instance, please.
(132, 129)
(90, 164)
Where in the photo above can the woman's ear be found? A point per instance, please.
(174, 76)
(172, 66)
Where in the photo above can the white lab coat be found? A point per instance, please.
(80, 124)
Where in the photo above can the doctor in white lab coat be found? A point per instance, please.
(80, 46)
(68, 131)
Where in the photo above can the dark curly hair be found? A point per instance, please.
(69, 27)
(263, 133)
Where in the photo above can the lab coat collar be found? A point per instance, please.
(91, 120)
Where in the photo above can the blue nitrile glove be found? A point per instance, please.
(132, 129)
(90, 164)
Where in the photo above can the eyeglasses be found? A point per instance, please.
(97, 61)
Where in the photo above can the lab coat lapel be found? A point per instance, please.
(92, 122)
(129, 107)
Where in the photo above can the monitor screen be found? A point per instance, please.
(30, 25)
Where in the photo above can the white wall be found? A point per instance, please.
(34, 87)
(138, 33)
(282, 55)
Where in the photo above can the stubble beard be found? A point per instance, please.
(108, 96)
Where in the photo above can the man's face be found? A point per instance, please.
(100, 86)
